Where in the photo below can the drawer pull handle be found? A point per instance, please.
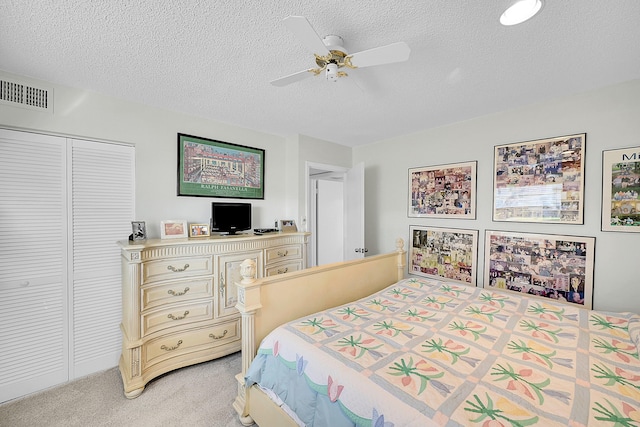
(177, 294)
(283, 253)
(165, 348)
(172, 317)
(177, 270)
(283, 270)
(217, 337)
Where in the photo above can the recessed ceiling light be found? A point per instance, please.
(520, 11)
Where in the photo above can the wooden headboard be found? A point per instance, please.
(271, 301)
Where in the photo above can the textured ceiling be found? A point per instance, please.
(215, 59)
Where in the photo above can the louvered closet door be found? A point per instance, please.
(103, 208)
(33, 263)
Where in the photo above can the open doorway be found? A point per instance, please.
(335, 213)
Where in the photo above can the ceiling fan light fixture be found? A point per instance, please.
(332, 72)
(520, 11)
(331, 58)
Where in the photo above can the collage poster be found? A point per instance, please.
(444, 253)
(447, 191)
(540, 181)
(548, 266)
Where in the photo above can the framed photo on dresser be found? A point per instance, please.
(139, 230)
(173, 229)
(199, 230)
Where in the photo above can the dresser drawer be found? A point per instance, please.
(176, 315)
(171, 292)
(180, 343)
(282, 253)
(176, 268)
(285, 267)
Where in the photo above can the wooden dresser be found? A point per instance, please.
(179, 297)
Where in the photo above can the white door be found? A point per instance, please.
(33, 263)
(103, 201)
(330, 220)
(354, 246)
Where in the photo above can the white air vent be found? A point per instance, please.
(22, 95)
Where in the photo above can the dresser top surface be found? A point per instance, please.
(140, 244)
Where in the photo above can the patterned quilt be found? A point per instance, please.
(425, 352)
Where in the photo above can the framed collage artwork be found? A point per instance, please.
(621, 190)
(444, 253)
(446, 191)
(543, 265)
(540, 181)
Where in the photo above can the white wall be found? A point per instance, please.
(154, 133)
(322, 152)
(299, 150)
(611, 119)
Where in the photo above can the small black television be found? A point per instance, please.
(229, 217)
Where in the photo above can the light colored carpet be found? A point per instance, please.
(195, 396)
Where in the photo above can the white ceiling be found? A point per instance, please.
(215, 58)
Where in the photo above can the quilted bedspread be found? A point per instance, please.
(425, 352)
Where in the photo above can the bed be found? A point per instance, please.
(386, 351)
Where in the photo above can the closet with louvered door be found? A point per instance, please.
(103, 178)
(63, 205)
(33, 263)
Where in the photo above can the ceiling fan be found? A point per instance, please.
(331, 57)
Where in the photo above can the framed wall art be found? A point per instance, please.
(541, 265)
(621, 190)
(444, 253)
(199, 230)
(211, 168)
(540, 181)
(173, 229)
(446, 191)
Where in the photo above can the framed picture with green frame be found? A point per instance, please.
(212, 168)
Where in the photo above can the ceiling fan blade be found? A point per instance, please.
(292, 78)
(395, 52)
(301, 28)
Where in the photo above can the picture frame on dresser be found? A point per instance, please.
(138, 230)
(199, 230)
(443, 253)
(288, 226)
(558, 267)
(443, 191)
(540, 181)
(621, 190)
(213, 168)
(171, 229)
